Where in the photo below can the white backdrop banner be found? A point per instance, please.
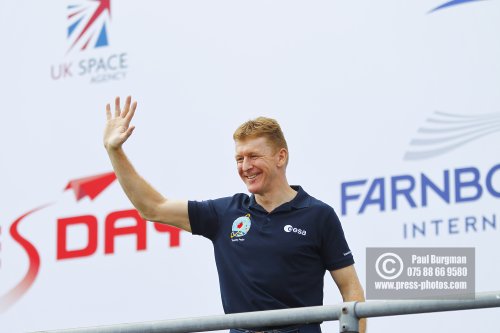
(391, 111)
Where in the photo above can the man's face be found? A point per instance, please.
(258, 164)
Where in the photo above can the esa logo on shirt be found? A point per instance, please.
(289, 228)
(240, 227)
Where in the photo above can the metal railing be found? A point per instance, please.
(347, 313)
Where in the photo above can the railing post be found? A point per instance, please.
(348, 320)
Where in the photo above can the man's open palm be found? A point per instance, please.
(118, 127)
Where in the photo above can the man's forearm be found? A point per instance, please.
(359, 296)
(350, 288)
(142, 195)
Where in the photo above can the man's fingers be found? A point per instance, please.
(108, 111)
(126, 107)
(131, 113)
(117, 106)
(129, 132)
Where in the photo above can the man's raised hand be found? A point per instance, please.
(118, 127)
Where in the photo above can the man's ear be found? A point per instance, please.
(282, 157)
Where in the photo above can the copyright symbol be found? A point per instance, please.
(389, 266)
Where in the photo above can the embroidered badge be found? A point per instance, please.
(241, 226)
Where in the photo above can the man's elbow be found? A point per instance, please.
(150, 213)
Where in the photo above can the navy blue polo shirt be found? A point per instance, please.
(273, 260)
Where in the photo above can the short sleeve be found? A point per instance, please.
(334, 249)
(204, 216)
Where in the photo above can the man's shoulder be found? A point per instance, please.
(317, 204)
(322, 210)
(236, 200)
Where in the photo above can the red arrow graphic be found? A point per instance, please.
(90, 186)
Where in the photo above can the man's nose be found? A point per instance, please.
(247, 165)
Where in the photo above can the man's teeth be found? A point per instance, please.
(251, 177)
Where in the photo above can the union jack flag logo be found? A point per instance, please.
(87, 24)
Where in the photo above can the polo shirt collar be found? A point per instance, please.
(301, 200)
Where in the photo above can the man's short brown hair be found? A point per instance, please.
(262, 127)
